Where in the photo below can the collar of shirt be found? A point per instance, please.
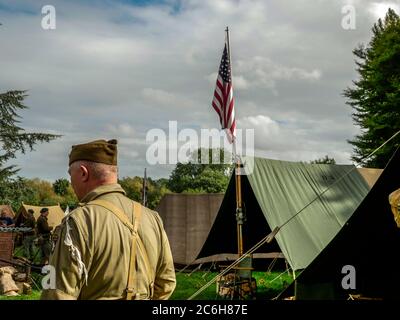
(101, 190)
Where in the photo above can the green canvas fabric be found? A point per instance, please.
(283, 188)
(273, 191)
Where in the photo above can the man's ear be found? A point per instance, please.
(84, 173)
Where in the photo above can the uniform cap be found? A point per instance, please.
(101, 151)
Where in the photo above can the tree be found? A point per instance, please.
(12, 137)
(155, 189)
(15, 191)
(132, 187)
(197, 177)
(324, 160)
(60, 186)
(375, 97)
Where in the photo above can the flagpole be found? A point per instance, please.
(144, 191)
(238, 183)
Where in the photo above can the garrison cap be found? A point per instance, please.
(97, 151)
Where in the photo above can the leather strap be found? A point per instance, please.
(137, 212)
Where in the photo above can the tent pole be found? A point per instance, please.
(239, 210)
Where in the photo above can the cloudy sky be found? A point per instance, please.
(117, 69)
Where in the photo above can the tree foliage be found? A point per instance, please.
(60, 186)
(375, 96)
(197, 176)
(35, 192)
(13, 138)
(15, 191)
(134, 188)
(324, 160)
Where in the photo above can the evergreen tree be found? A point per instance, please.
(13, 138)
(375, 96)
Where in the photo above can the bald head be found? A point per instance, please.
(88, 175)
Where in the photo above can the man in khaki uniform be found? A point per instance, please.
(44, 235)
(109, 247)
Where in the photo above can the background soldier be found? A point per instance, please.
(44, 233)
(29, 237)
(110, 247)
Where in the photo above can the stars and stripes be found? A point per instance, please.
(223, 101)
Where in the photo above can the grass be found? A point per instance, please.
(188, 284)
(34, 296)
(19, 252)
(269, 285)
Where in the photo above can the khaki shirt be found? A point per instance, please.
(394, 200)
(104, 245)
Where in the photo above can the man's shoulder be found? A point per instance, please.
(89, 210)
(153, 215)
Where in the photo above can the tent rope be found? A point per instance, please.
(280, 275)
(272, 264)
(187, 266)
(195, 269)
(209, 269)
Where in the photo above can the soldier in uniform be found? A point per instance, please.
(44, 234)
(29, 237)
(109, 247)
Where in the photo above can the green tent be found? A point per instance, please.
(368, 243)
(274, 192)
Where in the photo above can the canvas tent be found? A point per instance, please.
(275, 191)
(56, 214)
(8, 209)
(369, 242)
(187, 220)
(370, 175)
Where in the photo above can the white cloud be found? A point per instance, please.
(123, 129)
(240, 82)
(295, 139)
(379, 9)
(164, 98)
(263, 72)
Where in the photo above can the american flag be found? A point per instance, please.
(223, 101)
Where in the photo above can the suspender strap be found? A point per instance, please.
(137, 212)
